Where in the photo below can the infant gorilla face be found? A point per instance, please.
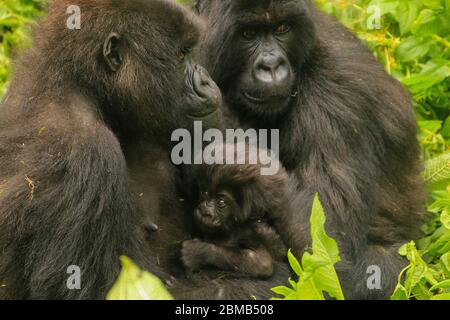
(216, 212)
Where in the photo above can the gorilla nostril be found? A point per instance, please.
(273, 70)
(271, 67)
(282, 73)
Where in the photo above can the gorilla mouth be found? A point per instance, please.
(202, 114)
(274, 100)
(207, 224)
(254, 99)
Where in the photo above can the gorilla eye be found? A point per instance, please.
(221, 203)
(183, 54)
(282, 29)
(249, 34)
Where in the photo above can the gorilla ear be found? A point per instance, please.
(112, 51)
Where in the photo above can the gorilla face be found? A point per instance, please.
(217, 212)
(268, 78)
(261, 52)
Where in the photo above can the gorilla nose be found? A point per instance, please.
(271, 68)
(204, 86)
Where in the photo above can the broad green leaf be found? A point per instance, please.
(445, 219)
(316, 271)
(135, 284)
(322, 244)
(413, 48)
(433, 73)
(437, 169)
(433, 4)
(427, 23)
(400, 293)
(439, 205)
(444, 296)
(407, 12)
(441, 285)
(295, 265)
(284, 291)
(444, 261)
(307, 290)
(327, 249)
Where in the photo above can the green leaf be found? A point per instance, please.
(327, 249)
(441, 285)
(437, 169)
(439, 205)
(427, 24)
(433, 73)
(135, 284)
(295, 265)
(433, 4)
(445, 219)
(444, 261)
(407, 12)
(413, 48)
(322, 245)
(316, 271)
(307, 290)
(284, 291)
(444, 296)
(400, 293)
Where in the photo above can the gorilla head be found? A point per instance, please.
(136, 58)
(267, 43)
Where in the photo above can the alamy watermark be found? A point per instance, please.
(235, 146)
(74, 280)
(73, 22)
(374, 17)
(374, 279)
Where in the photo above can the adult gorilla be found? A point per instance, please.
(347, 128)
(87, 110)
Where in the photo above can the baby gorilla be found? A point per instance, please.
(231, 218)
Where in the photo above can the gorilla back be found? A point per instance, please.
(78, 101)
(347, 129)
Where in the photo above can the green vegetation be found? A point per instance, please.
(413, 43)
(316, 273)
(135, 284)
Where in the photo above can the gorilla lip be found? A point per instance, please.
(252, 98)
(274, 100)
(201, 115)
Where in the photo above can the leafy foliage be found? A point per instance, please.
(316, 273)
(423, 281)
(135, 284)
(413, 43)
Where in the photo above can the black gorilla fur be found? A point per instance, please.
(89, 112)
(231, 208)
(347, 129)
